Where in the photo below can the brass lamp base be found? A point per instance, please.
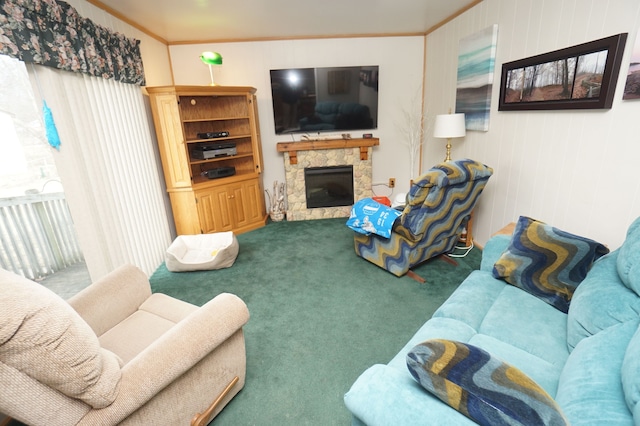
(448, 157)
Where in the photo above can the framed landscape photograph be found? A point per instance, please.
(578, 77)
(632, 85)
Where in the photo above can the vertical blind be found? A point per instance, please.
(108, 166)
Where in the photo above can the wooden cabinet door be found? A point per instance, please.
(214, 210)
(171, 140)
(232, 207)
(247, 203)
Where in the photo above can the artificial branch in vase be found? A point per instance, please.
(276, 201)
(412, 130)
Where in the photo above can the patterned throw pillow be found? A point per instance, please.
(547, 262)
(480, 386)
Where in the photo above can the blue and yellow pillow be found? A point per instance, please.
(480, 386)
(547, 262)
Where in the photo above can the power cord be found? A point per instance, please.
(381, 184)
(465, 248)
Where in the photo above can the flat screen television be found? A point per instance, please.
(330, 99)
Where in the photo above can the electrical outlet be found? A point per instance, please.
(392, 182)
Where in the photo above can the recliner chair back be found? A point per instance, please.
(437, 206)
(442, 197)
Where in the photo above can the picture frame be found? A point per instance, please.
(577, 77)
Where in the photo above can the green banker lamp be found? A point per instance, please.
(211, 58)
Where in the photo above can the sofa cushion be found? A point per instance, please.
(601, 301)
(43, 337)
(387, 396)
(629, 258)
(589, 390)
(547, 262)
(481, 386)
(630, 372)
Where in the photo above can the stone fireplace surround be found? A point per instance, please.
(324, 153)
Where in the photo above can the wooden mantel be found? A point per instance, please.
(293, 147)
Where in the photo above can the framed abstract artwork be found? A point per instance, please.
(476, 60)
(578, 77)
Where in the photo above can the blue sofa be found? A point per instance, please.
(587, 360)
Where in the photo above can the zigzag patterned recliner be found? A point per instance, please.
(437, 205)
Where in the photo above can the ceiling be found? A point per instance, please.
(189, 21)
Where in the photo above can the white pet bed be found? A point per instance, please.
(202, 252)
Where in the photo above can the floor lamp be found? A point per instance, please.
(449, 126)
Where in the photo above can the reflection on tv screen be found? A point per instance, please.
(330, 99)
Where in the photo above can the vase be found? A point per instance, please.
(276, 216)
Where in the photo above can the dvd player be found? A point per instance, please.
(219, 172)
(213, 135)
(205, 152)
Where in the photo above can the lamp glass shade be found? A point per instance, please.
(211, 58)
(449, 126)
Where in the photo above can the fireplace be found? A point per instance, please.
(333, 154)
(328, 186)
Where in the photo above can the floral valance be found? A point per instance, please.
(52, 33)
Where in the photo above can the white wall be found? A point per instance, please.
(248, 63)
(576, 170)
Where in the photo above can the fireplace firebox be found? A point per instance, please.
(329, 186)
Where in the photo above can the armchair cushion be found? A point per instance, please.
(547, 262)
(44, 338)
(481, 386)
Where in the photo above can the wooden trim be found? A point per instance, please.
(293, 147)
(506, 230)
(289, 38)
(454, 16)
(326, 144)
(200, 90)
(123, 18)
(203, 419)
(120, 16)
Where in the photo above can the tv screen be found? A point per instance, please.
(330, 99)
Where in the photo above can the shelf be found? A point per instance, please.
(200, 120)
(293, 147)
(214, 140)
(217, 159)
(200, 182)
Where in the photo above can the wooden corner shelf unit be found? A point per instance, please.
(185, 117)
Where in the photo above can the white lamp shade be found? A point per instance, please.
(449, 126)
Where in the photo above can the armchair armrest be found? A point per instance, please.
(172, 355)
(112, 298)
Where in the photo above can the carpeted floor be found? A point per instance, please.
(320, 316)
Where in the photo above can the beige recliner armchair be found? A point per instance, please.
(117, 354)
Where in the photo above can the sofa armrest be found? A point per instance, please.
(493, 250)
(172, 355)
(112, 298)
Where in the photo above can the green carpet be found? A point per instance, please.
(320, 316)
